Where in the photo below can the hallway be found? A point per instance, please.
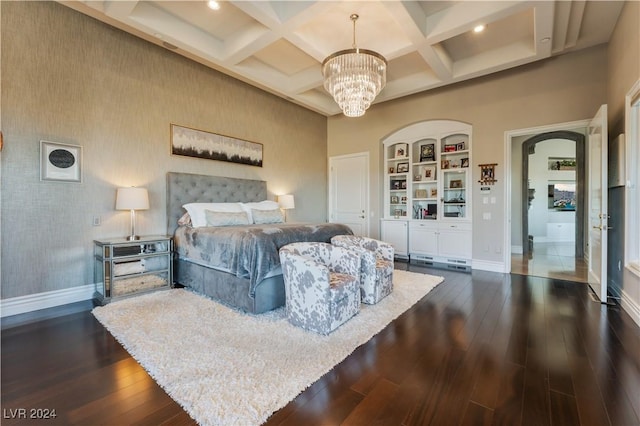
(551, 260)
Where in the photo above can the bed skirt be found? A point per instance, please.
(229, 289)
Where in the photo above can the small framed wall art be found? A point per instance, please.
(60, 162)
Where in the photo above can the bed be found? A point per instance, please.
(251, 280)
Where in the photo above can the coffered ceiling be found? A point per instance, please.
(279, 46)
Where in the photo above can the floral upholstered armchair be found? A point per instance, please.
(376, 273)
(322, 285)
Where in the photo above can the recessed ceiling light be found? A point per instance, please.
(213, 5)
(479, 28)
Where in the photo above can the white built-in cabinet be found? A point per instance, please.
(427, 192)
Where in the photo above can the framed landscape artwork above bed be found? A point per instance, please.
(212, 146)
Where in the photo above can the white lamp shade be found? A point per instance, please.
(132, 199)
(286, 202)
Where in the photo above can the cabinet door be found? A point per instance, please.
(423, 239)
(454, 194)
(455, 241)
(394, 232)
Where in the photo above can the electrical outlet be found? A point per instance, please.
(97, 221)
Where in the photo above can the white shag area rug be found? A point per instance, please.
(225, 367)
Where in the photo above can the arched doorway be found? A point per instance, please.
(528, 148)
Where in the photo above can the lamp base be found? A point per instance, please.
(133, 238)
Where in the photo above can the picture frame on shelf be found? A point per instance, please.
(434, 192)
(421, 193)
(402, 168)
(460, 146)
(446, 164)
(403, 200)
(395, 184)
(450, 148)
(427, 173)
(395, 199)
(417, 177)
(455, 184)
(427, 152)
(401, 150)
(464, 162)
(392, 169)
(403, 184)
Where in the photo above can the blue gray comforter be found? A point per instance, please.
(251, 251)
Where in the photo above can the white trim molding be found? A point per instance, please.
(486, 265)
(49, 299)
(630, 307)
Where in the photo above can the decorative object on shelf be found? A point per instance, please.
(450, 148)
(403, 200)
(402, 168)
(434, 192)
(421, 193)
(132, 199)
(427, 152)
(427, 173)
(60, 162)
(286, 202)
(403, 184)
(460, 146)
(487, 174)
(464, 162)
(212, 146)
(354, 77)
(395, 199)
(401, 150)
(392, 169)
(446, 164)
(417, 177)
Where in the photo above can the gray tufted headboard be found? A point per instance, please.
(185, 188)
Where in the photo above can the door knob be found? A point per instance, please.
(597, 227)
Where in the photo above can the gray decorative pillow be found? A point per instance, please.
(215, 218)
(267, 216)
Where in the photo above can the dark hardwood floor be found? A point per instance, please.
(481, 348)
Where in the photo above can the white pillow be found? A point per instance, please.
(215, 218)
(267, 216)
(261, 205)
(196, 211)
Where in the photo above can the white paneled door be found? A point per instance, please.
(349, 191)
(598, 223)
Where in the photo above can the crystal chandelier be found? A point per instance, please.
(354, 77)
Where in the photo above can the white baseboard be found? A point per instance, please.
(630, 307)
(485, 265)
(516, 250)
(49, 299)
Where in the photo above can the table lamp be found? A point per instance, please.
(132, 199)
(286, 202)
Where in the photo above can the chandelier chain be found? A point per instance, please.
(354, 18)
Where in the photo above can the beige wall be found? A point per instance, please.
(69, 78)
(623, 62)
(561, 89)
